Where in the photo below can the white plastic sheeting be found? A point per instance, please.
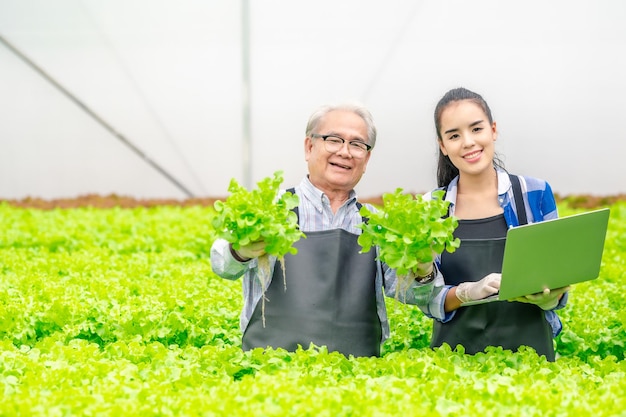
(167, 75)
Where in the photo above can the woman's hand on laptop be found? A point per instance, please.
(546, 300)
(472, 291)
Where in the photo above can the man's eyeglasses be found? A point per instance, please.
(334, 143)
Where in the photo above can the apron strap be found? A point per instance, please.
(292, 190)
(519, 200)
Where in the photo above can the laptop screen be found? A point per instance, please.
(553, 253)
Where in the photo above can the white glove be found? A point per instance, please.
(470, 291)
(247, 252)
(546, 300)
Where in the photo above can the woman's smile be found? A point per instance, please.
(473, 156)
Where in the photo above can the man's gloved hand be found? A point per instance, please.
(546, 300)
(470, 291)
(247, 252)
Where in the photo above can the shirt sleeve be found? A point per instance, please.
(553, 318)
(435, 307)
(224, 264)
(562, 301)
(396, 287)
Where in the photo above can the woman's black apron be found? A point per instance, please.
(500, 323)
(329, 299)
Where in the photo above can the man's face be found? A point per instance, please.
(338, 171)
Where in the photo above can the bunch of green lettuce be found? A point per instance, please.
(261, 214)
(409, 231)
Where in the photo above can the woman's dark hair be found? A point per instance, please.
(446, 171)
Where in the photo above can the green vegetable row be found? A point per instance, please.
(116, 312)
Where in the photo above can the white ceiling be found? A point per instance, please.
(167, 77)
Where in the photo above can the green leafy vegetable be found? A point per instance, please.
(260, 215)
(408, 230)
(116, 312)
(246, 217)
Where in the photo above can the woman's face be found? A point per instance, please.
(467, 137)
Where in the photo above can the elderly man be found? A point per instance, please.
(334, 295)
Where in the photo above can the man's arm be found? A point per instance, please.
(432, 305)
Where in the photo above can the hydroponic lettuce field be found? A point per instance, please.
(115, 312)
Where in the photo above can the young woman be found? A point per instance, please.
(483, 197)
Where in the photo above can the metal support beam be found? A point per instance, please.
(246, 144)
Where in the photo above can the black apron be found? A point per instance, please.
(500, 323)
(329, 299)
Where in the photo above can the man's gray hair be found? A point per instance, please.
(358, 109)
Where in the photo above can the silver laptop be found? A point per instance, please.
(551, 254)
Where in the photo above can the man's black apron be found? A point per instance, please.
(500, 323)
(329, 299)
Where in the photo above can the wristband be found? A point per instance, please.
(236, 255)
(427, 278)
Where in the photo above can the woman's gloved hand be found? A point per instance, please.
(247, 252)
(471, 291)
(546, 300)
